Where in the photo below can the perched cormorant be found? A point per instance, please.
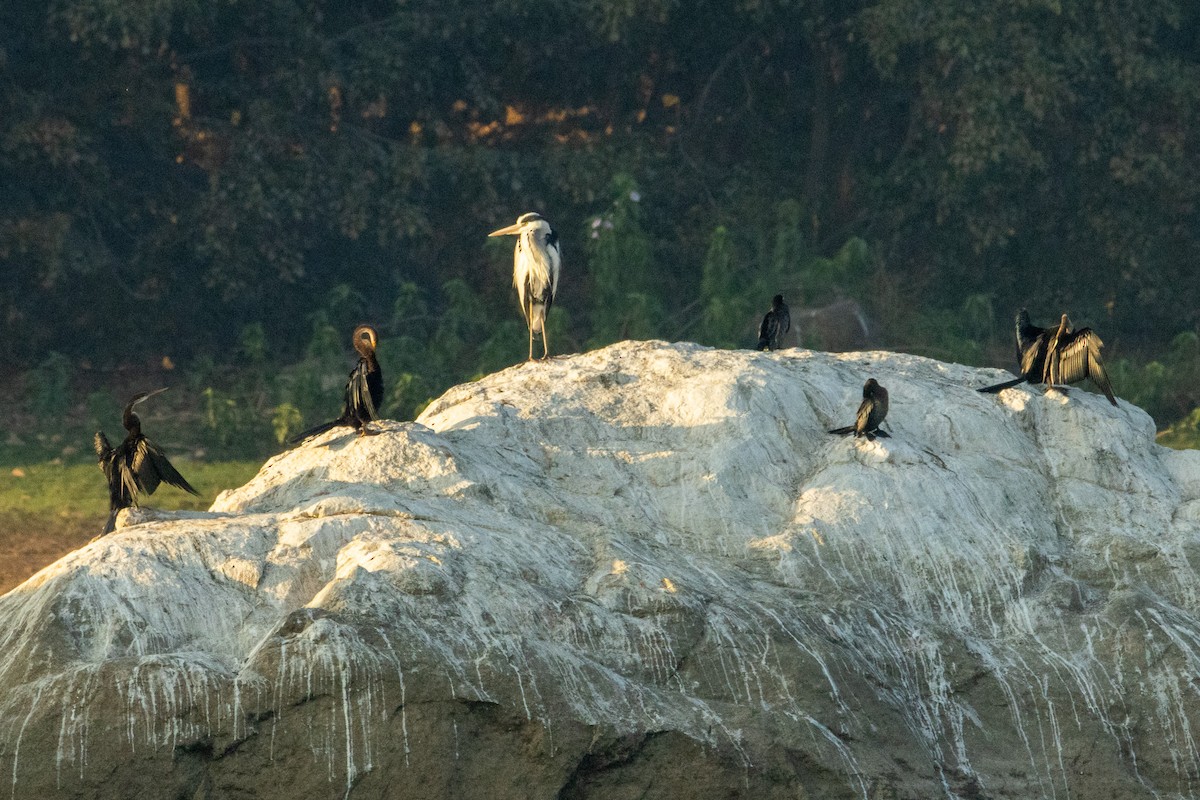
(775, 324)
(536, 264)
(1031, 353)
(1072, 356)
(134, 466)
(1057, 356)
(364, 389)
(871, 412)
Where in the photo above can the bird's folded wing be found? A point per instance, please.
(358, 394)
(862, 420)
(764, 330)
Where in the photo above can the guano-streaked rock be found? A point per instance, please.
(645, 571)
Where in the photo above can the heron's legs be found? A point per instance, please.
(545, 340)
(529, 320)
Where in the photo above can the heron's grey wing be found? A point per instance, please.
(521, 279)
(155, 469)
(554, 253)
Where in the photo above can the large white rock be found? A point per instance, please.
(645, 571)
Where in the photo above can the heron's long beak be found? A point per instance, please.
(511, 229)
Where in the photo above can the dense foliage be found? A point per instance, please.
(240, 182)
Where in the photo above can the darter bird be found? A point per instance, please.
(364, 389)
(135, 466)
(775, 324)
(871, 413)
(1057, 356)
(1072, 356)
(536, 264)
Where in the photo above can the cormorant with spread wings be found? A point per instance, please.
(1057, 356)
(135, 466)
(1072, 356)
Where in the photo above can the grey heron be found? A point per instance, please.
(364, 388)
(871, 412)
(537, 262)
(135, 466)
(775, 324)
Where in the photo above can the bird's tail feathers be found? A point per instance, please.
(111, 525)
(843, 431)
(1001, 386)
(315, 430)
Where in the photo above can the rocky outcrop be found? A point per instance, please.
(645, 571)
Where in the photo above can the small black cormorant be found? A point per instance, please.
(135, 466)
(364, 389)
(775, 324)
(871, 412)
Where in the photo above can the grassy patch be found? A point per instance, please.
(48, 508)
(48, 487)
(1184, 434)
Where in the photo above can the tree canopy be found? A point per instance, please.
(176, 170)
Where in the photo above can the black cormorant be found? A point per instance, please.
(1057, 356)
(1031, 353)
(364, 389)
(135, 466)
(775, 324)
(871, 412)
(537, 262)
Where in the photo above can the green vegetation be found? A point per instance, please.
(48, 507)
(229, 188)
(1183, 435)
(49, 488)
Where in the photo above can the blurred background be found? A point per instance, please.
(210, 194)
